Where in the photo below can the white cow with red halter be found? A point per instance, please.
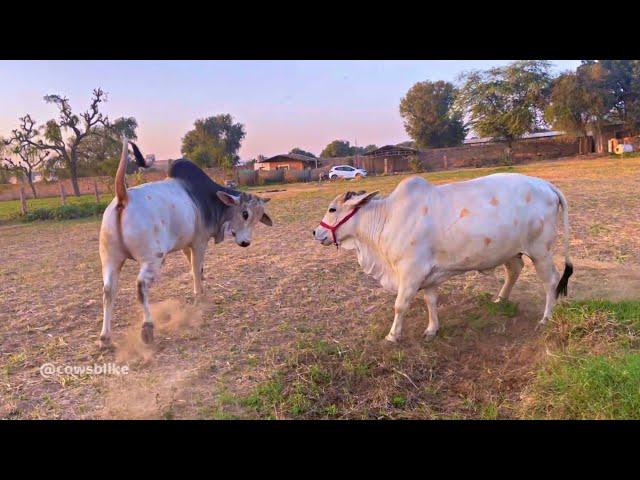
(422, 234)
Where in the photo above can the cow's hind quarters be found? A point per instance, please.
(147, 333)
(561, 289)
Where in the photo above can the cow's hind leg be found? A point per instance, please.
(549, 276)
(512, 268)
(110, 275)
(149, 272)
(431, 298)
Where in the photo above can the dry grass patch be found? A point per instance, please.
(290, 329)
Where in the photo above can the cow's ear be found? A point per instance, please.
(228, 199)
(266, 220)
(360, 200)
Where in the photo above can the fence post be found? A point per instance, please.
(446, 163)
(95, 189)
(63, 196)
(23, 202)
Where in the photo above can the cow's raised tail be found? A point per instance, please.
(121, 186)
(561, 289)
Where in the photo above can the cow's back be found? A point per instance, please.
(483, 222)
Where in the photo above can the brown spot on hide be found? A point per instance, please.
(494, 201)
(487, 241)
(148, 197)
(464, 212)
(528, 197)
(425, 210)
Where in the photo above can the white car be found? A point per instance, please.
(346, 171)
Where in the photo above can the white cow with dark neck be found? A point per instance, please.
(148, 222)
(421, 235)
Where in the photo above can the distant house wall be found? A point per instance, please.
(292, 164)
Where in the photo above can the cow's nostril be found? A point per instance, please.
(233, 233)
(314, 233)
(245, 244)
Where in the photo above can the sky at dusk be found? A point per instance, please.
(282, 104)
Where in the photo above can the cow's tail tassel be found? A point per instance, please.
(561, 289)
(140, 161)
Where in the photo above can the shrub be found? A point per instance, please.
(415, 164)
(65, 212)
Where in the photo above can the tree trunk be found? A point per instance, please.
(73, 170)
(508, 152)
(33, 187)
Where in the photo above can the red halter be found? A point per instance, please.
(341, 222)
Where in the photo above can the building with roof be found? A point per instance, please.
(287, 161)
(386, 159)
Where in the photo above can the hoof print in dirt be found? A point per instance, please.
(147, 333)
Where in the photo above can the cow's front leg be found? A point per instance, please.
(148, 274)
(431, 299)
(197, 267)
(406, 293)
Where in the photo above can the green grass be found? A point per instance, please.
(11, 208)
(596, 374)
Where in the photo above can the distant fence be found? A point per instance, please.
(479, 155)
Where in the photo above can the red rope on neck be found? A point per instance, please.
(333, 228)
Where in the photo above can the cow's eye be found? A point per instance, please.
(245, 214)
(332, 210)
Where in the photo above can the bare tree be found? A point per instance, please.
(80, 127)
(30, 160)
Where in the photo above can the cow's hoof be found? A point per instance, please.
(392, 338)
(428, 336)
(541, 324)
(147, 333)
(499, 300)
(105, 343)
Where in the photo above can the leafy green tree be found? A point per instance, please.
(24, 160)
(299, 151)
(505, 102)
(337, 148)
(579, 101)
(622, 81)
(342, 148)
(214, 141)
(370, 148)
(80, 128)
(100, 153)
(429, 117)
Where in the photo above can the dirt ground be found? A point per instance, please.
(290, 329)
